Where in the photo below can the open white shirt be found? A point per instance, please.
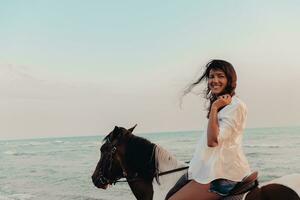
(226, 160)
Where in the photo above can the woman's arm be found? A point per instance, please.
(213, 125)
(213, 128)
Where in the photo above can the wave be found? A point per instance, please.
(16, 197)
(255, 154)
(9, 152)
(264, 146)
(79, 197)
(14, 153)
(44, 143)
(37, 143)
(58, 141)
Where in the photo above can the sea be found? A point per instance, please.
(61, 168)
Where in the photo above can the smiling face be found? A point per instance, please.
(217, 81)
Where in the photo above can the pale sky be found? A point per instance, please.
(71, 68)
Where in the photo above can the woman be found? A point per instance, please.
(218, 162)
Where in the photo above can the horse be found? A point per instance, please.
(144, 164)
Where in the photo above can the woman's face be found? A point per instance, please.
(217, 81)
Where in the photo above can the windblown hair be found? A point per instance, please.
(230, 74)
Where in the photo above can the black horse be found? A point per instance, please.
(124, 155)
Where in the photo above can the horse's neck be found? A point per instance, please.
(165, 160)
(138, 156)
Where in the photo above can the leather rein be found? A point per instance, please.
(136, 175)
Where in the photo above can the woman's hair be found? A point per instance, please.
(230, 74)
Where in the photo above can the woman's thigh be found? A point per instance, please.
(195, 191)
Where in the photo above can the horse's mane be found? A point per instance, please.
(139, 156)
(165, 161)
(146, 159)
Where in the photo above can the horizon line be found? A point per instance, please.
(142, 133)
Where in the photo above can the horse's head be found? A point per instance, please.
(110, 167)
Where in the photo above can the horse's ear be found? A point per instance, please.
(131, 129)
(114, 133)
(115, 129)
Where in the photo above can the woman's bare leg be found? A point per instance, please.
(195, 191)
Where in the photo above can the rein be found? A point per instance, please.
(135, 177)
(172, 171)
(160, 174)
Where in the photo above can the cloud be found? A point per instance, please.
(24, 83)
(12, 73)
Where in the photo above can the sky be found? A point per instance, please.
(76, 68)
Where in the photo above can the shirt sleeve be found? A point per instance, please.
(232, 122)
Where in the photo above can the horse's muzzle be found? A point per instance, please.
(100, 182)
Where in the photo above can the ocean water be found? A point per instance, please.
(60, 168)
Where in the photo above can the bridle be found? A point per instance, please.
(129, 178)
(135, 176)
(112, 153)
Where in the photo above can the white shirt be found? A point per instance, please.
(226, 160)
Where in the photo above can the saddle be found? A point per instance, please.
(235, 192)
(229, 188)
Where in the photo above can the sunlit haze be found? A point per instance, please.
(71, 68)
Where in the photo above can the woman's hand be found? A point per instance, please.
(222, 101)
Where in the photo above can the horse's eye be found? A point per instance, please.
(104, 147)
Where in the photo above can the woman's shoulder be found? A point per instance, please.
(236, 102)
